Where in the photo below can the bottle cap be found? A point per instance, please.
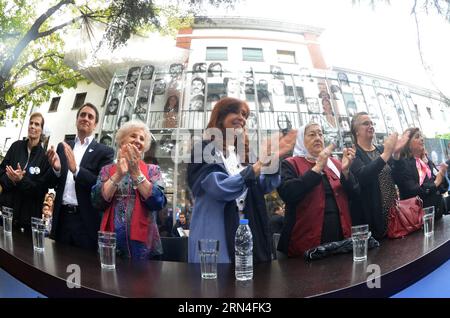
(243, 221)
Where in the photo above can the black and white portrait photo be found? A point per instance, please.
(133, 74)
(197, 103)
(112, 107)
(199, 68)
(141, 106)
(175, 69)
(277, 72)
(265, 102)
(159, 87)
(130, 89)
(122, 120)
(197, 86)
(106, 140)
(147, 72)
(215, 70)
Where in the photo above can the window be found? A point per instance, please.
(79, 100)
(217, 53)
(251, 54)
(429, 112)
(104, 98)
(289, 94)
(286, 56)
(54, 104)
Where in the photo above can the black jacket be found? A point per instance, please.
(96, 156)
(178, 224)
(27, 196)
(407, 179)
(368, 208)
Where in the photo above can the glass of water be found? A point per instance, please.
(360, 237)
(428, 221)
(107, 249)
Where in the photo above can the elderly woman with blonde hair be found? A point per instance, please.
(128, 193)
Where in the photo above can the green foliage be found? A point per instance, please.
(31, 43)
(444, 136)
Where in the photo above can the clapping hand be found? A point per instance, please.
(70, 156)
(133, 156)
(278, 146)
(390, 143)
(443, 169)
(323, 158)
(53, 159)
(122, 164)
(347, 159)
(15, 175)
(401, 143)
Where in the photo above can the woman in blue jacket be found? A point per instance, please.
(226, 188)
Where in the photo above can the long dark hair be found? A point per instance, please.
(224, 107)
(166, 106)
(406, 152)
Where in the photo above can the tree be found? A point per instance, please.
(442, 9)
(32, 43)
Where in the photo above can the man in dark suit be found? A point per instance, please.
(76, 165)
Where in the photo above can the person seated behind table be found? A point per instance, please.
(414, 176)
(181, 223)
(128, 192)
(47, 217)
(277, 219)
(220, 192)
(315, 188)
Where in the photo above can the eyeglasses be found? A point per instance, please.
(368, 123)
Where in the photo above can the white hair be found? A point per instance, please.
(130, 126)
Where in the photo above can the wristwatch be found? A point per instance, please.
(138, 181)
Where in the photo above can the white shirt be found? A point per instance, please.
(69, 195)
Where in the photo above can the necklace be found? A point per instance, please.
(372, 148)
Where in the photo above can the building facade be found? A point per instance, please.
(276, 67)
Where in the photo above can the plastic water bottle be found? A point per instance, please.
(243, 245)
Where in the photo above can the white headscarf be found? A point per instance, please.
(301, 151)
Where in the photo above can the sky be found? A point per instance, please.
(381, 41)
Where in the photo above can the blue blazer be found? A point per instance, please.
(96, 156)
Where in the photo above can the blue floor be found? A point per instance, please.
(434, 285)
(12, 288)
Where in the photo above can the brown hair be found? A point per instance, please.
(224, 107)
(38, 115)
(353, 125)
(90, 106)
(166, 106)
(406, 152)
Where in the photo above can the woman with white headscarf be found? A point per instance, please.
(314, 187)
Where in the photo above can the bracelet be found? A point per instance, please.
(113, 182)
(138, 181)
